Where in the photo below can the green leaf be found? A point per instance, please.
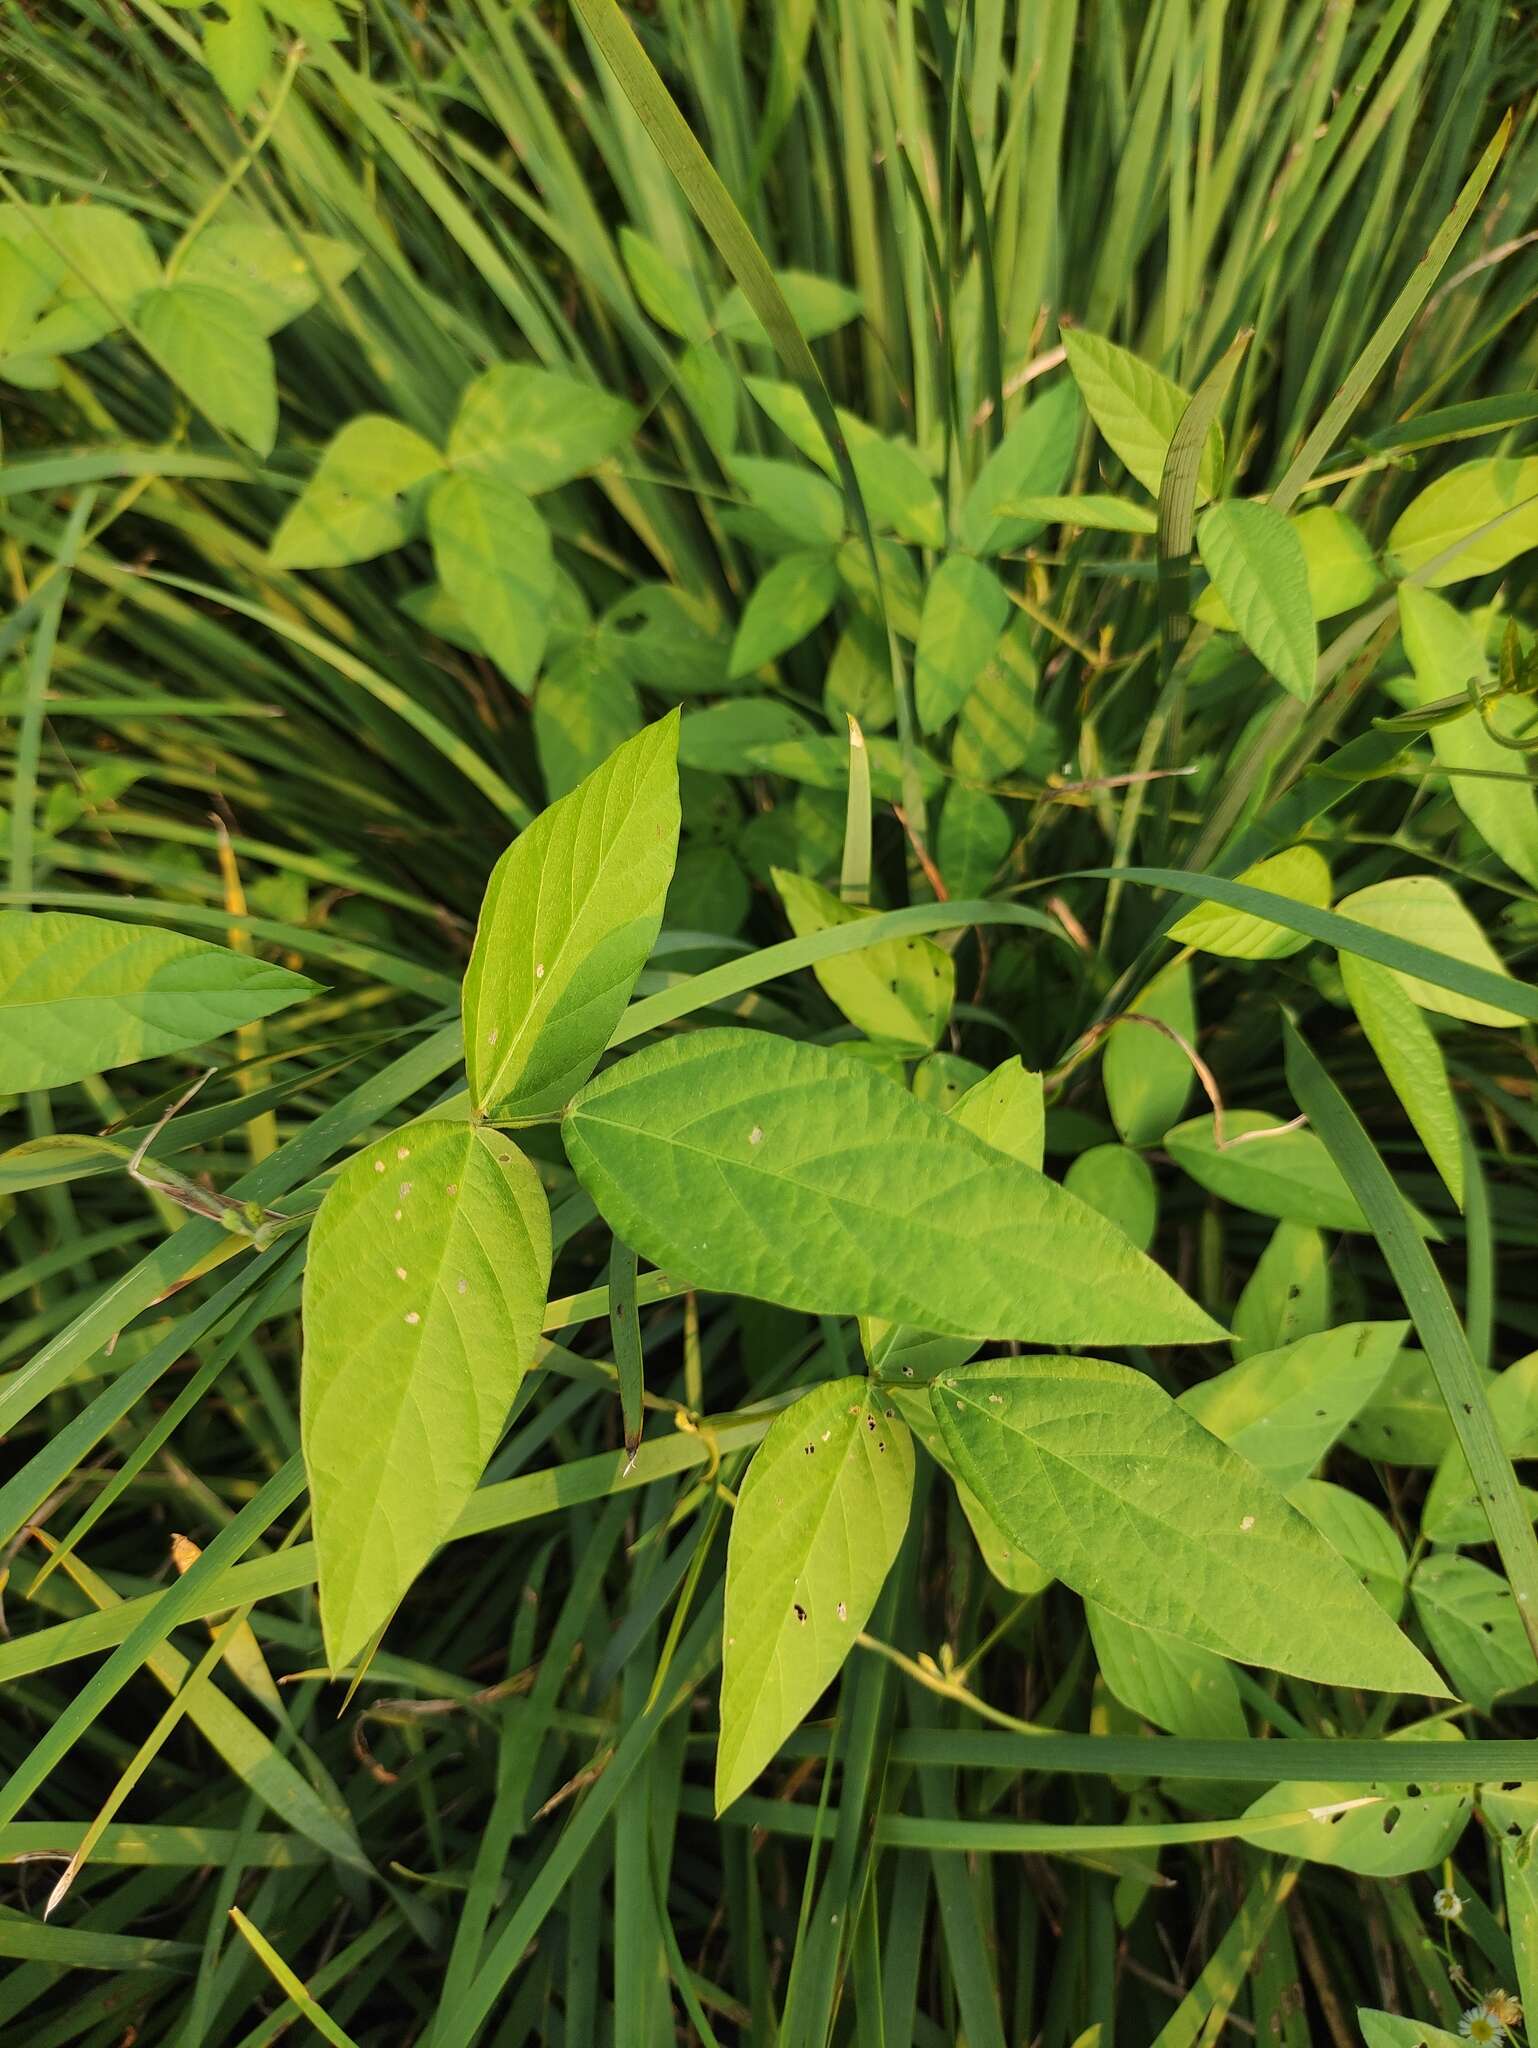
(1000, 728)
(794, 1173)
(709, 384)
(1284, 1409)
(1120, 1184)
(1456, 506)
(210, 346)
(1406, 1423)
(1453, 1512)
(81, 995)
(1429, 912)
(261, 267)
(672, 640)
(795, 597)
(964, 612)
(1409, 1055)
(858, 683)
(796, 498)
(1146, 1074)
(1301, 874)
(817, 1525)
(1033, 460)
(898, 993)
(1290, 1175)
(974, 839)
(1445, 651)
(1376, 1830)
(1389, 2030)
(1016, 1572)
(1137, 409)
(107, 253)
(1342, 569)
(585, 707)
(1257, 565)
(424, 1294)
(492, 553)
(238, 50)
(1288, 1294)
(532, 429)
(1363, 1536)
(898, 494)
(1185, 1690)
(818, 305)
(356, 505)
(668, 294)
(570, 914)
(1097, 1473)
(1007, 1110)
(1471, 1621)
(1090, 509)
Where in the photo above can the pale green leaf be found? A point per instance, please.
(1364, 1537)
(1000, 729)
(1257, 565)
(1453, 508)
(1007, 1110)
(570, 914)
(898, 993)
(532, 429)
(792, 599)
(1032, 460)
(795, 498)
(238, 48)
(816, 1527)
(81, 995)
(1093, 510)
(260, 266)
(1289, 1174)
(1375, 1830)
(1106, 1482)
(107, 253)
(424, 1295)
(1409, 1055)
(1137, 409)
(818, 305)
(1185, 1690)
(1288, 1294)
(974, 840)
(585, 707)
(1120, 1184)
(1471, 1621)
(1342, 570)
(1429, 912)
(1016, 1572)
(1284, 1409)
(356, 505)
(1406, 1422)
(751, 1164)
(668, 294)
(709, 385)
(492, 553)
(212, 349)
(1391, 2030)
(1445, 652)
(965, 608)
(1301, 874)
(1147, 1075)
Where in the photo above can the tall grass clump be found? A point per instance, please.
(767, 1010)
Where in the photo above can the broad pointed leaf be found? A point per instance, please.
(1409, 1055)
(423, 1301)
(1257, 565)
(1284, 1409)
(898, 993)
(81, 995)
(355, 505)
(817, 1524)
(210, 346)
(571, 911)
(964, 612)
(1147, 1075)
(532, 429)
(758, 1165)
(1137, 409)
(1105, 1481)
(492, 552)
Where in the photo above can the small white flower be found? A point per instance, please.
(1446, 1904)
(1479, 2023)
